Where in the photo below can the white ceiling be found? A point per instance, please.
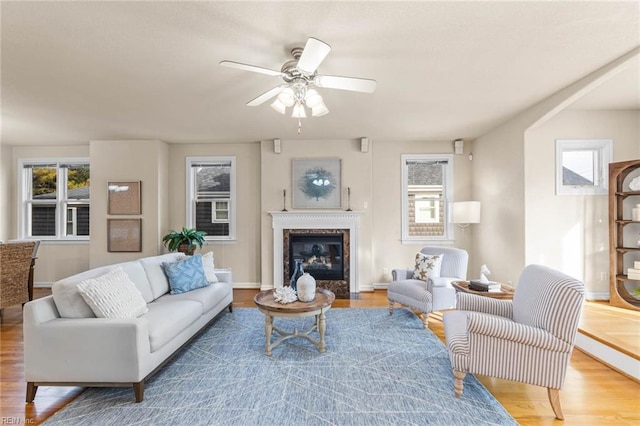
(79, 71)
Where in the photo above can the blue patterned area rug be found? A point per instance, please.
(377, 370)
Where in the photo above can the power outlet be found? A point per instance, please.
(603, 276)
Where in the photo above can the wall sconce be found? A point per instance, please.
(466, 213)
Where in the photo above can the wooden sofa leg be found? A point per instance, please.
(230, 307)
(31, 391)
(138, 390)
(391, 307)
(458, 383)
(554, 399)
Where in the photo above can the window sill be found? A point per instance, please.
(59, 242)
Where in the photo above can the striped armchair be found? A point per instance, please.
(436, 293)
(528, 340)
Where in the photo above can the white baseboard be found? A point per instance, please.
(380, 286)
(247, 285)
(596, 295)
(620, 362)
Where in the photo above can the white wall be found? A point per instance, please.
(243, 255)
(499, 175)
(570, 233)
(6, 201)
(387, 251)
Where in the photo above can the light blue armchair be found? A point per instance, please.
(436, 293)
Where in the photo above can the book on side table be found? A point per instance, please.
(490, 286)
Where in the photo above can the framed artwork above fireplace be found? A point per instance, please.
(317, 183)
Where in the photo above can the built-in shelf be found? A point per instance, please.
(623, 249)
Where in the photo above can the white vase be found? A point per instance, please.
(306, 285)
(635, 213)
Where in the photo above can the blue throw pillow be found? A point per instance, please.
(186, 275)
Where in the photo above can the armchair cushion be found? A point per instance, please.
(427, 266)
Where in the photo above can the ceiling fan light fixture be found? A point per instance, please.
(298, 111)
(319, 110)
(279, 106)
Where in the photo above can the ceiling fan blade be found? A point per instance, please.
(252, 68)
(312, 56)
(345, 83)
(265, 96)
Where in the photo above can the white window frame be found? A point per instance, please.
(603, 150)
(61, 202)
(191, 195)
(448, 196)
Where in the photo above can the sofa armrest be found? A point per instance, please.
(82, 349)
(224, 275)
(487, 305)
(506, 329)
(401, 274)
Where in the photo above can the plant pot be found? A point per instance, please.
(187, 249)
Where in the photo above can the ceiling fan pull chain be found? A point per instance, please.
(299, 126)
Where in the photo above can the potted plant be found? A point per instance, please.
(184, 241)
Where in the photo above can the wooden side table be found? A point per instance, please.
(505, 293)
(270, 308)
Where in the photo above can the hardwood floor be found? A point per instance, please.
(593, 394)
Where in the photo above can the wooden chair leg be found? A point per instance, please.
(138, 390)
(554, 399)
(391, 307)
(458, 383)
(425, 320)
(31, 391)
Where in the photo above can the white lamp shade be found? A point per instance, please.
(312, 98)
(466, 212)
(287, 96)
(279, 106)
(319, 110)
(298, 111)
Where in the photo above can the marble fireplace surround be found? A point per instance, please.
(309, 221)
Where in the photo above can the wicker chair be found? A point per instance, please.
(15, 263)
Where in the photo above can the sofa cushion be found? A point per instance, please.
(209, 267)
(208, 297)
(167, 320)
(155, 273)
(186, 275)
(113, 295)
(427, 266)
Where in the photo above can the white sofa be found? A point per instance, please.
(66, 345)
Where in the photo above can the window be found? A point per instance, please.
(582, 166)
(211, 196)
(54, 199)
(427, 182)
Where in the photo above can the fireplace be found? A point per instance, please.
(324, 254)
(325, 228)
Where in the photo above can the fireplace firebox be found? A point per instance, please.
(325, 255)
(321, 255)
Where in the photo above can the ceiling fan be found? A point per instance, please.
(300, 76)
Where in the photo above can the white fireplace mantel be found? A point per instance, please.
(283, 220)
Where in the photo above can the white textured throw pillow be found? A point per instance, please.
(427, 266)
(209, 266)
(113, 295)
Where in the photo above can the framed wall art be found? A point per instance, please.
(124, 198)
(124, 235)
(316, 183)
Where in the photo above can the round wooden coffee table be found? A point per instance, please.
(506, 291)
(271, 309)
